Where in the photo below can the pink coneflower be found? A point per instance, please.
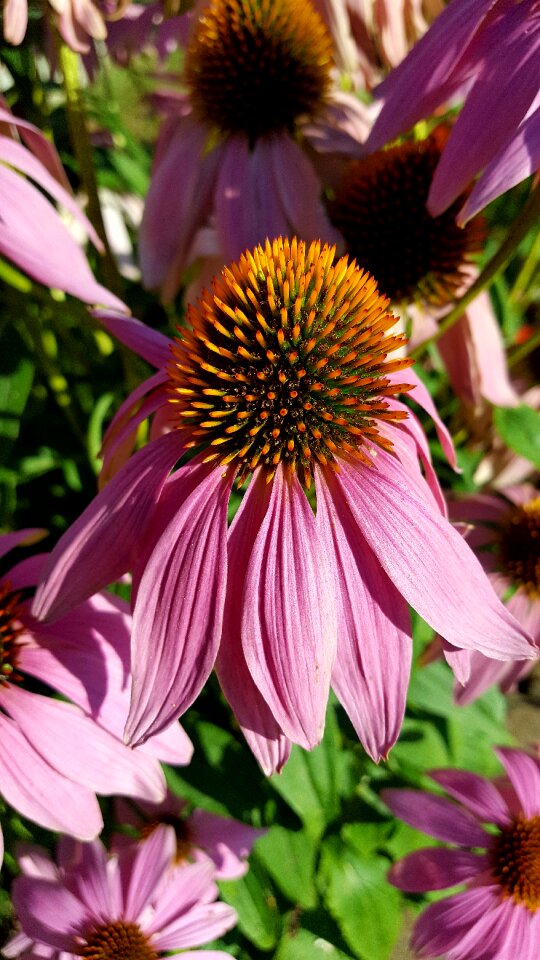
(490, 48)
(281, 375)
(505, 536)
(257, 75)
(55, 756)
(497, 916)
(32, 234)
(78, 22)
(200, 836)
(136, 905)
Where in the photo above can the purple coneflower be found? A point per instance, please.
(490, 49)
(281, 376)
(497, 916)
(134, 906)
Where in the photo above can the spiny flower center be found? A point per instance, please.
(516, 861)
(285, 360)
(380, 208)
(256, 66)
(520, 546)
(117, 941)
(11, 628)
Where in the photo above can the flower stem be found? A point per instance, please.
(526, 219)
(69, 61)
(527, 272)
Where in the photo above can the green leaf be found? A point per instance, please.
(519, 427)
(430, 689)
(254, 900)
(310, 781)
(289, 856)
(365, 906)
(16, 375)
(299, 944)
(420, 746)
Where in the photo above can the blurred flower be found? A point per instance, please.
(55, 756)
(258, 80)
(282, 374)
(199, 835)
(32, 234)
(422, 262)
(78, 21)
(505, 536)
(496, 917)
(136, 905)
(490, 49)
(501, 467)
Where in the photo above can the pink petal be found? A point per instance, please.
(186, 887)
(48, 798)
(49, 913)
(20, 538)
(444, 924)
(179, 606)
(289, 619)
(435, 869)
(150, 344)
(263, 734)
(101, 545)
(226, 841)
(372, 667)
(524, 774)
(201, 925)
(414, 544)
(177, 205)
(485, 673)
(42, 148)
(15, 21)
(172, 746)
(421, 395)
(300, 191)
(478, 795)
(89, 879)
(143, 872)
(436, 816)
(80, 749)
(513, 163)
(488, 346)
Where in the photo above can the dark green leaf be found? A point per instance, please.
(289, 856)
(519, 427)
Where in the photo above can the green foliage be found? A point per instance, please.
(519, 428)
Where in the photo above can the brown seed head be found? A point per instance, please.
(516, 861)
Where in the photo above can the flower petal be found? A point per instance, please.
(435, 869)
(142, 872)
(289, 618)
(524, 774)
(371, 672)
(49, 913)
(102, 543)
(179, 607)
(150, 344)
(436, 816)
(414, 544)
(201, 925)
(475, 793)
(443, 925)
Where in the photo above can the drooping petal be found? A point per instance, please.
(8, 541)
(478, 795)
(436, 816)
(179, 607)
(371, 671)
(101, 545)
(80, 749)
(261, 730)
(48, 798)
(414, 545)
(421, 395)
(524, 774)
(435, 869)
(289, 617)
(172, 746)
(89, 879)
(300, 191)
(151, 345)
(15, 20)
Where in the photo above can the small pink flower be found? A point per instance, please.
(136, 904)
(497, 916)
(78, 21)
(199, 835)
(505, 536)
(32, 234)
(56, 756)
(491, 49)
(282, 374)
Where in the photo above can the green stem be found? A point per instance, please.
(527, 272)
(69, 61)
(524, 349)
(527, 218)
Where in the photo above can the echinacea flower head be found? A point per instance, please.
(490, 49)
(134, 906)
(56, 755)
(281, 375)
(505, 534)
(380, 208)
(497, 915)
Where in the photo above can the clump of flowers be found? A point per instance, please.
(282, 375)
(497, 914)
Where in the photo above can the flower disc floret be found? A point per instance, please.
(520, 546)
(516, 861)
(11, 628)
(284, 360)
(117, 940)
(380, 208)
(255, 66)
